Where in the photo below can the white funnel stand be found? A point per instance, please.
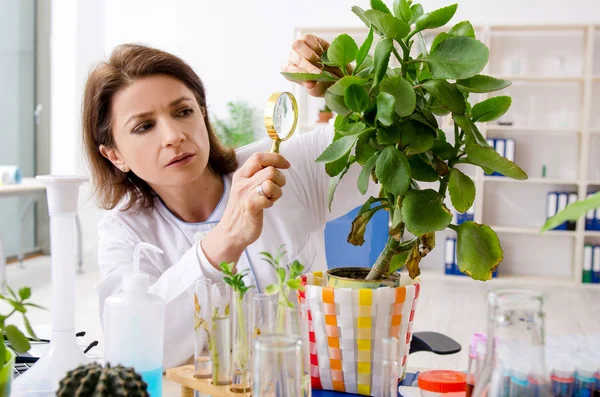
(63, 354)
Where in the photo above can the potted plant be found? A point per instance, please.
(325, 114)
(387, 124)
(18, 341)
(237, 130)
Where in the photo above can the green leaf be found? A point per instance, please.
(340, 87)
(422, 171)
(363, 51)
(361, 14)
(380, 5)
(281, 274)
(393, 171)
(337, 149)
(404, 94)
(388, 136)
(385, 108)
(488, 158)
(417, 11)
(458, 57)
(417, 137)
(12, 292)
(302, 77)
(365, 174)
(424, 212)
(397, 262)
(340, 121)
(473, 136)
(336, 167)
(573, 212)
(364, 150)
(225, 267)
(335, 181)
(382, 57)
(272, 289)
(16, 338)
(491, 109)
(34, 305)
(25, 293)
(402, 10)
(435, 19)
(29, 328)
(18, 306)
(481, 84)
(424, 120)
(443, 149)
(462, 190)
(356, 98)
(463, 28)
(387, 24)
(478, 250)
(447, 94)
(439, 39)
(354, 128)
(342, 51)
(336, 103)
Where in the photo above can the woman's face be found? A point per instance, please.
(159, 131)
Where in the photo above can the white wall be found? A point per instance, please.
(237, 46)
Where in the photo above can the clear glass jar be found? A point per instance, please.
(515, 363)
(263, 314)
(279, 358)
(202, 328)
(241, 359)
(390, 371)
(476, 360)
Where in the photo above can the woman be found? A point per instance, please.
(158, 166)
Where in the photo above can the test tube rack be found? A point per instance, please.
(184, 376)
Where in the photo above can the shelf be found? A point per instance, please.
(521, 230)
(596, 183)
(537, 181)
(559, 79)
(532, 130)
(592, 233)
(501, 279)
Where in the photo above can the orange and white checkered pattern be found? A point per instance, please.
(346, 329)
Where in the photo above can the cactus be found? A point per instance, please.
(95, 380)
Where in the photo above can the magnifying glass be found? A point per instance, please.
(281, 118)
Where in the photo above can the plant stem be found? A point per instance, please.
(382, 264)
(443, 187)
(395, 51)
(241, 343)
(456, 137)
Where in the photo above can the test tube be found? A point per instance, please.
(563, 379)
(585, 380)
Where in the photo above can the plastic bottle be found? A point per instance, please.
(134, 326)
(476, 359)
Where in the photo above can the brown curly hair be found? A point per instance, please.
(127, 63)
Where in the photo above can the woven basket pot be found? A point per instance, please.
(346, 328)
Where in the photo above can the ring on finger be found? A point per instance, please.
(260, 191)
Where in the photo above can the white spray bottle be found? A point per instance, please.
(134, 326)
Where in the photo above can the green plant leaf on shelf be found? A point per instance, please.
(16, 338)
(491, 109)
(487, 157)
(478, 250)
(435, 19)
(393, 171)
(385, 108)
(573, 212)
(458, 57)
(463, 28)
(387, 24)
(356, 98)
(404, 94)
(447, 94)
(342, 51)
(462, 190)
(340, 86)
(482, 84)
(424, 212)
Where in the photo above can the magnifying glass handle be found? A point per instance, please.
(275, 146)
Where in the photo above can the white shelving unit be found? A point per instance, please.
(555, 118)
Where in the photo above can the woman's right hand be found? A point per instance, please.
(242, 221)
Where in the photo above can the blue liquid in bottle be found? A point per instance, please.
(154, 380)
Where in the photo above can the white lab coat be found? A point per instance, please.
(297, 220)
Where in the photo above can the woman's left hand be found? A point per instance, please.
(305, 57)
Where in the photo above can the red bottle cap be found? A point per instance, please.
(443, 381)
